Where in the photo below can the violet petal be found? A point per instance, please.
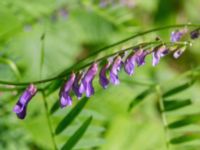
(76, 85)
(159, 52)
(65, 98)
(86, 83)
(116, 66)
(179, 52)
(103, 80)
(177, 35)
(140, 57)
(21, 106)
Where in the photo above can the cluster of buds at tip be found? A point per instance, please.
(178, 34)
(195, 34)
(81, 83)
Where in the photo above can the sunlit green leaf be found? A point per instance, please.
(190, 119)
(139, 98)
(12, 66)
(177, 89)
(71, 116)
(53, 86)
(185, 138)
(170, 105)
(55, 107)
(77, 135)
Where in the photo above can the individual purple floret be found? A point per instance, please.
(195, 34)
(177, 35)
(140, 56)
(159, 52)
(134, 58)
(129, 64)
(76, 85)
(86, 83)
(179, 52)
(103, 80)
(65, 98)
(116, 66)
(21, 106)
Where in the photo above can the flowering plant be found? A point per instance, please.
(90, 76)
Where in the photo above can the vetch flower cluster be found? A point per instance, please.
(81, 82)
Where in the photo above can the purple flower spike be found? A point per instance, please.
(179, 52)
(159, 52)
(103, 80)
(20, 107)
(76, 85)
(114, 79)
(86, 83)
(177, 35)
(65, 98)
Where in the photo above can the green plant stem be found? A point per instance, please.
(163, 116)
(42, 53)
(49, 121)
(12, 66)
(68, 71)
(141, 34)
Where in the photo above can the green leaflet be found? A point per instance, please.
(170, 105)
(178, 89)
(185, 138)
(139, 98)
(71, 116)
(55, 107)
(190, 119)
(12, 66)
(77, 135)
(53, 87)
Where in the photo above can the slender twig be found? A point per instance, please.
(163, 116)
(49, 121)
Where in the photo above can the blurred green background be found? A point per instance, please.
(73, 30)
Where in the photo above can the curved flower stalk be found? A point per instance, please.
(21, 106)
(82, 82)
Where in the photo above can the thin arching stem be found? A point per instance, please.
(49, 121)
(67, 71)
(163, 116)
(141, 34)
